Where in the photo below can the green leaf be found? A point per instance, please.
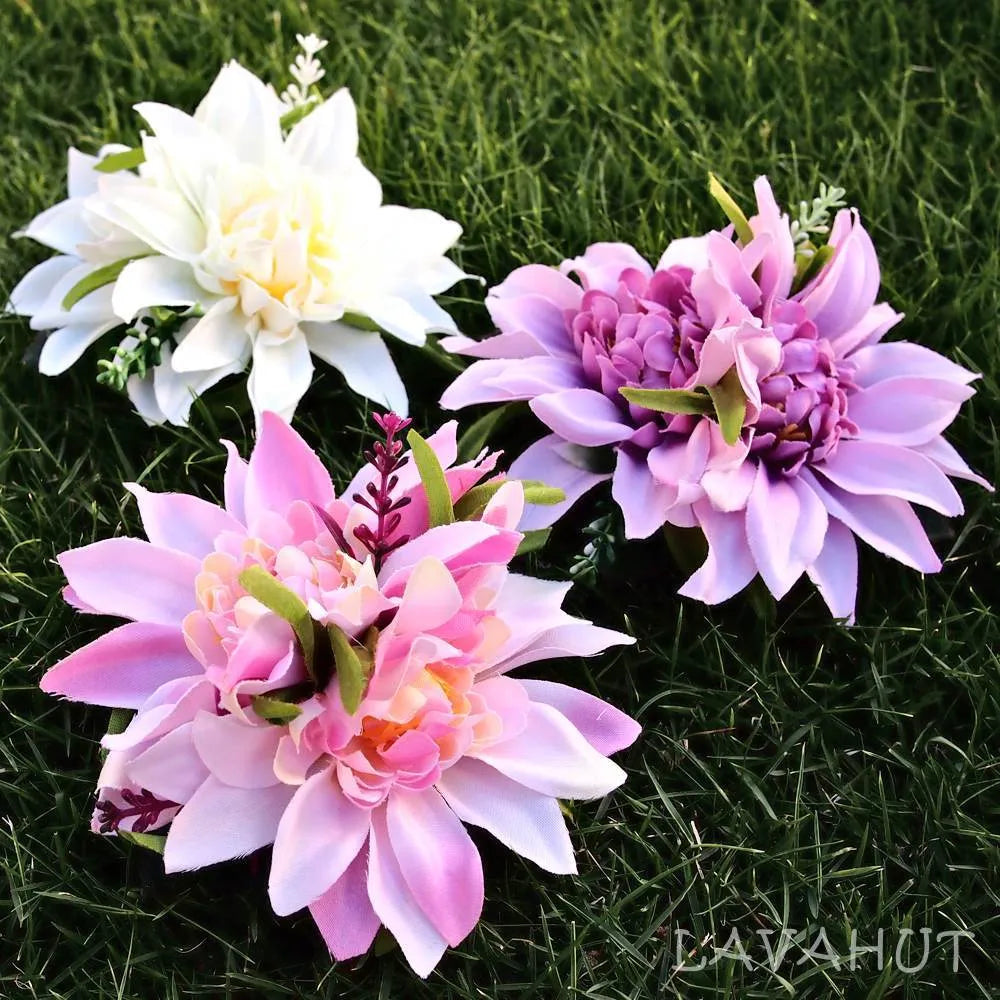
(352, 671)
(809, 265)
(730, 405)
(533, 541)
(296, 114)
(276, 597)
(471, 504)
(439, 509)
(733, 211)
(120, 718)
(360, 322)
(274, 709)
(150, 841)
(688, 401)
(96, 279)
(476, 436)
(125, 160)
(542, 495)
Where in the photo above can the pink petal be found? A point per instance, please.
(283, 468)
(906, 411)
(643, 501)
(529, 823)
(552, 757)
(604, 727)
(437, 859)
(431, 598)
(123, 668)
(181, 522)
(506, 507)
(130, 578)
(545, 461)
(575, 638)
(886, 523)
(170, 706)
(582, 416)
(318, 838)
(870, 469)
(392, 900)
(171, 767)
(504, 381)
(899, 359)
(729, 565)
(458, 546)
(835, 571)
(234, 482)
(344, 914)
(220, 822)
(602, 264)
(237, 753)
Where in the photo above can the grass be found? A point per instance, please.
(793, 774)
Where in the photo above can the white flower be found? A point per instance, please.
(277, 239)
(85, 243)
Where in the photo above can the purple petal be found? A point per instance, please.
(544, 461)
(220, 822)
(541, 319)
(503, 381)
(785, 530)
(835, 571)
(319, 837)
(130, 578)
(181, 522)
(582, 416)
(437, 859)
(602, 264)
(729, 566)
(344, 913)
(870, 469)
(886, 523)
(870, 329)
(123, 668)
(643, 501)
(537, 279)
(944, 456)
(529, 823)
(603, 726)
(906, 411)
(899, 359)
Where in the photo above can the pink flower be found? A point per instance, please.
(239, 740)
(839, 434)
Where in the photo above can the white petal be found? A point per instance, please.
(62, 227)
(327, 138)
(81, 177)
(280, 375)
(154, 281)
(32, 293)
(218, 339)
(64, 347)
(363, 359)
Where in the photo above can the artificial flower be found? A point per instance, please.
(331, 675)
(248, 234)
(763, 407)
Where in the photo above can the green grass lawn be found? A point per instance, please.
(793, 773)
